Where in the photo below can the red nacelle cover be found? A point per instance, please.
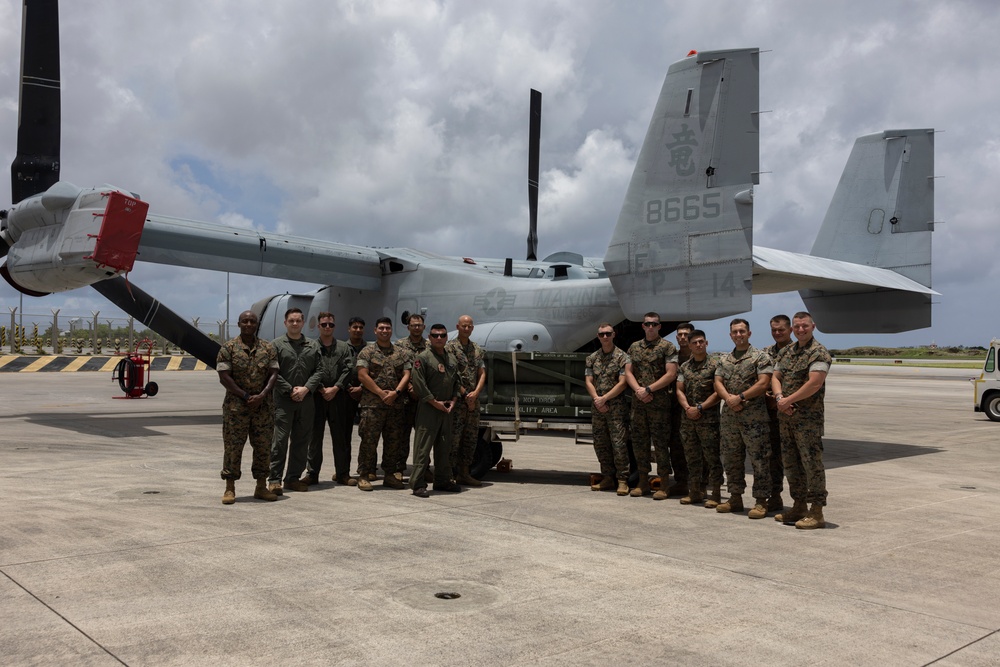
(118, 240)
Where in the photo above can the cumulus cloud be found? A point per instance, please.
(404, 123)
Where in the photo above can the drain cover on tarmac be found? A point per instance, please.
(448, 596)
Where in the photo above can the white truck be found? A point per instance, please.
(987, 385)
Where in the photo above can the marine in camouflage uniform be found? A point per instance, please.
(465, 429)
(605, 379)
(247, 409)
(384, 371)
(676, 460)
(436, 382)
(652, 368)
(298, 361)
(781, 332)
(800, 386)
(336, 361)
(742, 379)
(699, 406)
(415, 347)
(356, 343)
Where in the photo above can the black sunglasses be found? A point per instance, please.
(650, 324)
(438, 335)
(605, 334)
(327, 325)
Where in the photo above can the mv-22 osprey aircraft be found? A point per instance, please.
(682, 245)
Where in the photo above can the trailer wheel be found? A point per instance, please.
(151, 389)
(488, 453)
(991, 406)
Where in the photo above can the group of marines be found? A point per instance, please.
(282, 395)
(702, 416)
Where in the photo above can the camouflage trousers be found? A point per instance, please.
(387, 424)
(802, 454)
(740, 439)
(611, 439)
(650, 424)
(674, 460)
(701, 448)
(465, 434)
(777, 467)
(240, 422)
(330, 414)
(293, 426)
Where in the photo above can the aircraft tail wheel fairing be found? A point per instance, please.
(488, 454)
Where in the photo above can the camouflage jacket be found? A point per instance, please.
(386, 367)
(649, 363)
(470, 359)
(795, 364)
(698, 378)
(607, 370)
(249, 366)
(738, 375)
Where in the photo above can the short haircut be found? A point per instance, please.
(802, 315)
(410, 317)
(438, 327)
(292, 311)
(605, 324)
(384, 320)
(355, 320)
(651, 314)
(739, 320)
(697, 333)
(781, 318)
(684, 325)
(325, 315)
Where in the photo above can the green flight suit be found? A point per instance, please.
(434, 377)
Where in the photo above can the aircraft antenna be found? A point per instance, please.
(534, 138)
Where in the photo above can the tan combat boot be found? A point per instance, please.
(606, 484)
(695, 496)
(797, 512)
(814, 519)
(759, 510)
(662, 488)
(261, 492)
(393, 481)
(275, 489)
(465, 477)
(641, 487)
(229, 496)
(734, 504)
(622, 487)
(775, 503)
(713, 499)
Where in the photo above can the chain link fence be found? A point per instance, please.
(74, 334)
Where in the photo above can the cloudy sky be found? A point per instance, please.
(404, 123)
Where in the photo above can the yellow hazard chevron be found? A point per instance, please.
(16, 363)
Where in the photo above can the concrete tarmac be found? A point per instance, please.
(116, 549)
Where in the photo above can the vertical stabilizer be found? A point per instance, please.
(881, 215)
(683, 242)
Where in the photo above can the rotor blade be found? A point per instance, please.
(534, 137)
(36, 166)
(159, 318)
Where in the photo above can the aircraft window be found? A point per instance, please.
(991, 361)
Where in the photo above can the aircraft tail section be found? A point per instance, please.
(881, 215)
(683, 242)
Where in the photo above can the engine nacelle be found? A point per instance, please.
(67, 238)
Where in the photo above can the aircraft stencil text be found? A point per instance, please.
(689, 207)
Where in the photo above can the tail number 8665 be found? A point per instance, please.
(689, 207)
